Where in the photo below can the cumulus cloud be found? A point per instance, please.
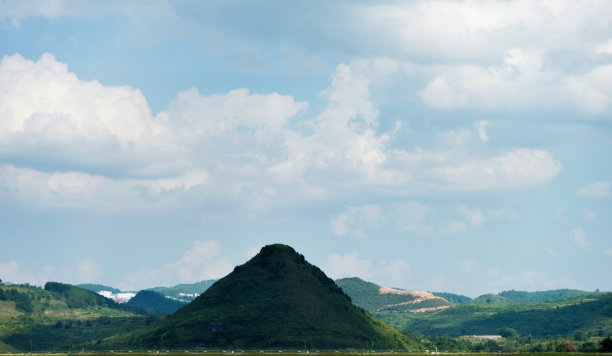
(579, 238)
(202, 261)
(473, 216)
(481, 127)
(510, 169)
(112, 154)
(608, 252)
(519, 82)
(50, 115)
(596, 190)
(75, 190)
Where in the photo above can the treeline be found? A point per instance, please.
(510, 344)
(22, 300)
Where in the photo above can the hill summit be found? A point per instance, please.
(276, 299)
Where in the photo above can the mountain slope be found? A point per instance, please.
(97, 287)
(154, 302)
(453, 298)
(184, 292)
(375, 298)
(543, 296)
(277, 299)
(60, 317)
(589, 315)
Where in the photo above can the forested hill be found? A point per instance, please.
(589, 315)
(32, 318)
(276, 299)
(544, 296)
(97, 287)
(373, 297)
(185, 292)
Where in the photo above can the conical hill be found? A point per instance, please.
(277, 299)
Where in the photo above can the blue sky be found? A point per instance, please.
(436, 145)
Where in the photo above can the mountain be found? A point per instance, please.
(98, 287)
(544, 296)
(589, 315)
(375, 298)
(184, 292)
(276, 299)
(490, 299)
(154, 303)
(77, 297)
(60, 317)
(453, 298)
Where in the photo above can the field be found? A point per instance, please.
(292, 353)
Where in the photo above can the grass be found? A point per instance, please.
(294, 353)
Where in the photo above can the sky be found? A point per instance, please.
(458, 146)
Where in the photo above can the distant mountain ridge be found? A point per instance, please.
(33, 318)
(155, 303)
(185, 292)
(96, 288)
(543, 296)
(375, 298)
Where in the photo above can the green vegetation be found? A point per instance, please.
(490, 299)
(590, 315)
(185, 292)
(60, 317)
(366, 295)
(76, 297)
(453, 298)
(277, 299)
(154, 303)
(544, 296)
(98, 287)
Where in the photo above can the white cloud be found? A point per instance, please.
(578, 237)
(608, 252)
(49, 114)
(347, 265)
(514, 168)
(481, 127)
(12, 272)
(519, 82)
(357, 221)
(605, 48)
(202, 261)
(597, 190)
(549, 251)
(473, 216)
(342, 140)
(588, 214)
(75, 190)
(115, 155)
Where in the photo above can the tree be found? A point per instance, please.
(606, 345)
(588, 347)
(565, 346)
(508, 333)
